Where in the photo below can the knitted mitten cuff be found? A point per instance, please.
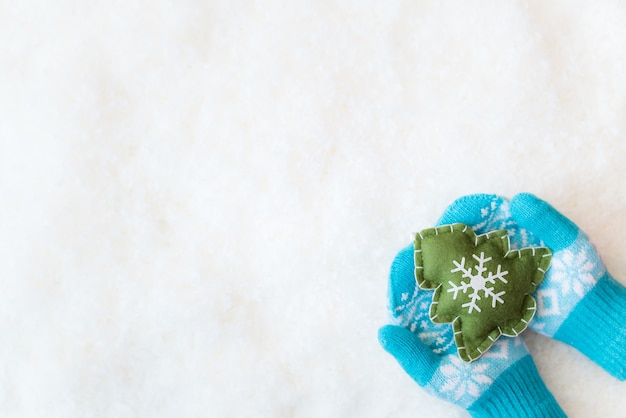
(518, 392)
(597, 326)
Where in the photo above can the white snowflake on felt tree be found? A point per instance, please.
(477, 282)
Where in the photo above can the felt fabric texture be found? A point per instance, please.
(485, 298)
(201, 199)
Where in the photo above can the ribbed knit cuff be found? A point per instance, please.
(518, 392)
(597, 326)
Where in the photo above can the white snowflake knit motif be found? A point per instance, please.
(574, 271)
(477, 282)
(462, 380)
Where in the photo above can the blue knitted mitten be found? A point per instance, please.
(504, 382)
(579, 303)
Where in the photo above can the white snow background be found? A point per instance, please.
(201, 199)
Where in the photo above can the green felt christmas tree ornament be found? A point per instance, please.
(482, 286)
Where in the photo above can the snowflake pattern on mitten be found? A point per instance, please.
(411, 310)
(463, 383)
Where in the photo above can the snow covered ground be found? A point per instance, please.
(201, 200)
